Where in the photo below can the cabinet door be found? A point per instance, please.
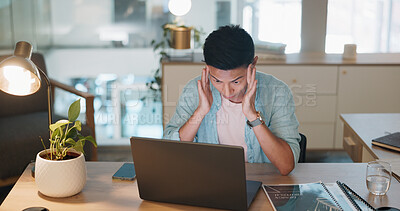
(314, 92)
(303, 79)
(367, 89)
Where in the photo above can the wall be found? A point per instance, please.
(72, 63)
(25, 20)
(313, 29)
(72, 16)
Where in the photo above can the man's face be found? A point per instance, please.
(232, 84)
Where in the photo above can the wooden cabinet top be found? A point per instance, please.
(313, 59)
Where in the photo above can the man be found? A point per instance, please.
(240, 106)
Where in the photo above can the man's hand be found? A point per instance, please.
(248, 103)
(205, 95)
(189, 130)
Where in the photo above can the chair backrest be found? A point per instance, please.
(14, 105)
(303, 146)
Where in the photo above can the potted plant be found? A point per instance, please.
(60, 170)
(174, 36)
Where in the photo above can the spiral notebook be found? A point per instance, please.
(315, 196)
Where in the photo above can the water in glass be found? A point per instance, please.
(378, 185)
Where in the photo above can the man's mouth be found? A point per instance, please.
(230, 97)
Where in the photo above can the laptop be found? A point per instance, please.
(198, 174)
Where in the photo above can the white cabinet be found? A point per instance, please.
(314, 92)
(367, 89)
(174, 78)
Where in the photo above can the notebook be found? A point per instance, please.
(391, 141)
(314, 196)
(197, 174)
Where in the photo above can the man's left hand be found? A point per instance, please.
(248, 103)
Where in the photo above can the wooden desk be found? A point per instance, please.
(103, 193)
(360, 129)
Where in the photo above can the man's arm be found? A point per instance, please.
(185, 108)
(189, 130)
(277, 150)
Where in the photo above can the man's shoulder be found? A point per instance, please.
(191, 85)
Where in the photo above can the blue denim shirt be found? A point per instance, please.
(273, 99)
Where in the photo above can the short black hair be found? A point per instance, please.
(228, 48)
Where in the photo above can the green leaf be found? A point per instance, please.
(71, 142)
(79, 145)
(72, 133)
(91, 139)
(78, 125)
(58, 124)
(74, 110)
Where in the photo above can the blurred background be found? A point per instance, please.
(103, 46)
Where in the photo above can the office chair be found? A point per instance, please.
(303, 146)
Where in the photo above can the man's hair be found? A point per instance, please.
(228, 48)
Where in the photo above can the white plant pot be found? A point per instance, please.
(60, 178)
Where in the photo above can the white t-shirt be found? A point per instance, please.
(230, 124)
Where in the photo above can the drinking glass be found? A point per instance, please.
(379, 175)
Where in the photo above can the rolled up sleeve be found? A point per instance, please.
(283, 121)
(187, 104)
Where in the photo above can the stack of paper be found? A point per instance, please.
(269, 50)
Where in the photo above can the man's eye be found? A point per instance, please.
(218, 81)
(236, 82)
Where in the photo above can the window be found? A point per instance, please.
(117, 23)
(373, 25)
(277, 21)
(223, 13)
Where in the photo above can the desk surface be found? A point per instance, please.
(103, 193)
(370, 126)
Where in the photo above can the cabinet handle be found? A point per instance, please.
(294, 81)
(344, 72)
(349, 142)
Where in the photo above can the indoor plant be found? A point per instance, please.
(161, 47)
(60, 171)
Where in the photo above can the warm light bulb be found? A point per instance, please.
(179, 7)
(18, 81)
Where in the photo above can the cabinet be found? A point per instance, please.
(367, 89)
(314, 92)
(323, 87)
(174, 79)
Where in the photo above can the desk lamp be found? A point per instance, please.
(19, 76)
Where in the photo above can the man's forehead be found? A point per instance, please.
(228, 75)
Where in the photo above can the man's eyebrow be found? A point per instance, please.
(214, 77)
(231, 81)
(237, 78)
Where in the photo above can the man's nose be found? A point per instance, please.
(227, 91)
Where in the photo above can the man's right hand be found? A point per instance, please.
(205, 95)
